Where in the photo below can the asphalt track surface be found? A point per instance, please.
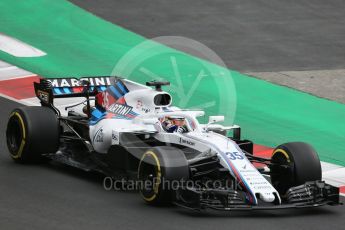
(59, 197)
(250, 36)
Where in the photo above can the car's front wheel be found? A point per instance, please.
(294, 164)
(160, 171)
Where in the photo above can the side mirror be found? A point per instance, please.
(215, 119)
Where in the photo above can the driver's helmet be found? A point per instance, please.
(173, 124)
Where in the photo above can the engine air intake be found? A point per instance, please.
(163, 99)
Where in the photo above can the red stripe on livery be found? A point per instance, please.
(77, 89)
(121, 100)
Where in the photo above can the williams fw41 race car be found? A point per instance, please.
(130, 131)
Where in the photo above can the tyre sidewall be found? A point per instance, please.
(304, 163)
(41, 128)
(173, 167)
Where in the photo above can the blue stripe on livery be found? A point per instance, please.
(70, 90)
(115, 92)
(57, 91)
(117, 116)
(66, 90)
(122, 87)
(133, 113)
(96, 116)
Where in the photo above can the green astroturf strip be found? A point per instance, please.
(80, 44)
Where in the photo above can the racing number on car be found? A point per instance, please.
(234, 156)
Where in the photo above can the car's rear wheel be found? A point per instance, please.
(294, 164)
(31, 132)
(160, 171)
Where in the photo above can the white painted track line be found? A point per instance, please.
(8, 71)
(18, 48)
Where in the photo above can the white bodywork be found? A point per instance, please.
(107, 132)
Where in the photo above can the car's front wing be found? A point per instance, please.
(310, 194)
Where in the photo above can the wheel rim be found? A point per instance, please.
(14, 136)
(282, 178)
(149, 175)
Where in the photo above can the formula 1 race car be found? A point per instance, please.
(130, 131)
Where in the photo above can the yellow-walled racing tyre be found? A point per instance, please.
(157, 170)
(294, 164)
(32, 131)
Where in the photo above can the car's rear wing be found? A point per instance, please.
(48, 89)
(68, 86)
